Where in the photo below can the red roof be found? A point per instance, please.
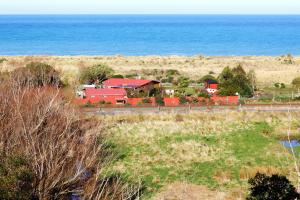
(213, 86)
(104, 92)
(126, 83)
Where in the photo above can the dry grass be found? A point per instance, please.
(247, 172)
(218, 150)
(268, 69)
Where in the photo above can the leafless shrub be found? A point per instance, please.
(66, 153)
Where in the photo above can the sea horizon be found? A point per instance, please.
(149, 34)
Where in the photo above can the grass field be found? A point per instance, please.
(269, 70)
(218, 152)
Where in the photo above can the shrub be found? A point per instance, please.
(195, 100)
(37, 75)
(172, 72)
(183, 100)
(287, 59)
(88, 104)
(296, 82)
(16, 178)
(102, 102)
(2, 60)
(277, 85)
(64, 153)
(271, 187)
(131, 75)
(183, 82)
(95, 74)
(203, 94)
(146, 101)
(155, 92)
(159, 101)
(117, 76)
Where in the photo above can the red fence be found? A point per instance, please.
(214, 100)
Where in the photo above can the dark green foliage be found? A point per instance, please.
(159, 101)
(131, 75)
(183, 100)
(172, 72)
(169, 79)
(273, 187)
(117, 76)
(37, 75)
(16, 180)
(277, 85)
(2, 60)
(232, 81)
(195, 100)
(155, 92)
(88, 104)
(146, 101)
(203, 94)
(207, 78)
(96, 74)
(183, 82)
(287, 59)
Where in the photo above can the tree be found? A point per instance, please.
(207, 78)
(232, 81)
(183, 82)
(95, 74)
(296, 82)
(37, 74)
(61, 152)
(265, 187)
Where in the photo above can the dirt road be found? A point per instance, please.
(186, 109)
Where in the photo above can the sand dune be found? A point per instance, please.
(268, 69)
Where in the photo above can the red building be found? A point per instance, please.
(211, 86)
(114, 96)
(133, 86)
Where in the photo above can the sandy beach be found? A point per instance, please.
(268, 69)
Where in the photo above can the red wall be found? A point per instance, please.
(168, 101)
(137, 101)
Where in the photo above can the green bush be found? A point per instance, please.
(183, 82)
(2, 60)
(16, 178)
(203, 94)
(183, 100)
(159, 101)
(265, 187)
(95, 74)
(117, 76)
(296, 82)
(146, 101)
(172, 72)
(88, 104)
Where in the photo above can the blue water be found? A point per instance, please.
(149, 35)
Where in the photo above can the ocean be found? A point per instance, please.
(138, 35)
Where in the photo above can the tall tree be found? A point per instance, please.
(95, 74)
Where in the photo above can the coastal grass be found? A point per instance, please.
(269, 70)
(218, 150)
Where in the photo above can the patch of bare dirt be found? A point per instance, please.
(185, 191)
